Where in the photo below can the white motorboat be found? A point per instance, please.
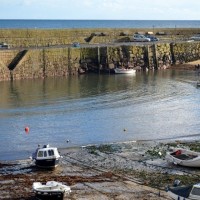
(46, 157)
(124, 71)
(50, 190)
(190, 192)
(184, 157)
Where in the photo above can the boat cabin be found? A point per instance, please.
(47, 152)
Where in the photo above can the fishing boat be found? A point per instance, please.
(46, 157)
(124, 71)
(50, 190)
(184, 157)
(190, 192)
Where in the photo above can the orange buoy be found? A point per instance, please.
(26, 129)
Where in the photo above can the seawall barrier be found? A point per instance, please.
(37, 53)
(64, 61)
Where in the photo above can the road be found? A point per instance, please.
(87, 45)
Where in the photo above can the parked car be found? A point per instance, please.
(4, 46)
(76, 44)
(152, 38)
(140, 38)
(195, 37)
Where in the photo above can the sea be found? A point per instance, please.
(97, 108)
(68, 24)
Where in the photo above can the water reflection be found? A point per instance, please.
(96, 108)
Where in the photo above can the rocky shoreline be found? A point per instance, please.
(129, 170)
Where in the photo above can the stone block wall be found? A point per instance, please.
(126, 56)
(55, 62)
(185, 52)
(159, 56)
(5, 59)
(89, 58)
(48, 62)
(30, 66)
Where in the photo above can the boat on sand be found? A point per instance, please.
(50, 190)
(46, 157)
(190, 192)
(184, 157)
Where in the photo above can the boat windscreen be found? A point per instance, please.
(51, 152)
(195, 191)
(40, 154)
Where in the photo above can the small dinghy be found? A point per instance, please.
(190, 192)
(184, 157)
(124, 71)
(46, 157)
(50, 190)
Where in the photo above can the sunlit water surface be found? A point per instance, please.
(95, 109)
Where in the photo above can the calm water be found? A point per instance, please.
(59, 24)
(93, 109)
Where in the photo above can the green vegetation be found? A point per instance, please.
(104, 148)
(164, 179)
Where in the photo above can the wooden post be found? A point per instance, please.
(155, 57)
(69, 60)
(44, 64)
(172, 53)
(147, 56)
(107, 56)
(11, 75)
(98, 57)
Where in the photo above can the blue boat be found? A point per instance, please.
(190, 192)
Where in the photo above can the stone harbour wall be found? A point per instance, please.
(48, 37)
(185, 52)
(50, 62)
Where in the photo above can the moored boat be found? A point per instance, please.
(46, 157)
(124, 71)
(184, 157)
(190, 192)
(50, 190)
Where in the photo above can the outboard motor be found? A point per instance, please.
(176, 183)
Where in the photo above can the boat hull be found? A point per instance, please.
(49, 195)
(175, 196)
(47, 163)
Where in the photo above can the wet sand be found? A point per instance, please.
(187, 66)
(132, 170)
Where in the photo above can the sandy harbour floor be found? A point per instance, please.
(118, 171)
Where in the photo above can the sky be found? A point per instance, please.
(101, 9)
